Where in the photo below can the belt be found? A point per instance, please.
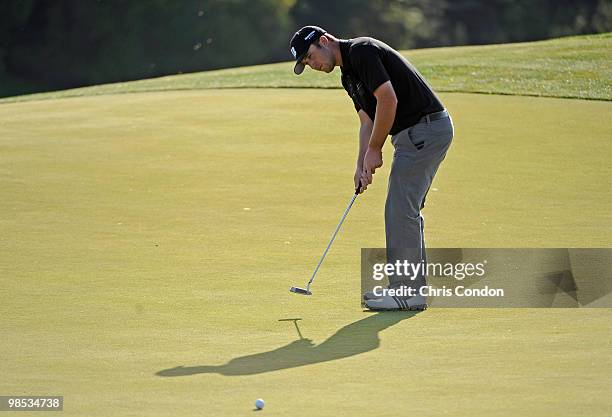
(434, 116)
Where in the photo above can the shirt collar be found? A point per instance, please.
(345, 46)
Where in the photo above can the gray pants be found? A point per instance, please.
(419, 150)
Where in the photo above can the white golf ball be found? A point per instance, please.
(259, 404)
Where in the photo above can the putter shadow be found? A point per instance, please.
(353, 339)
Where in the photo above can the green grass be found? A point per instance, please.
(147, 242)
(573, 67)
(135, 282)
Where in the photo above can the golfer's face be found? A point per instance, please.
(319, 59)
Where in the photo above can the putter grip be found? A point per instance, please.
(358, 188)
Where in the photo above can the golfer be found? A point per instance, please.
(391, 98)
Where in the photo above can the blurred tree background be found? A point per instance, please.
(57, 44)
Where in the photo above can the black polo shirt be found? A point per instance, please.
(367, 63)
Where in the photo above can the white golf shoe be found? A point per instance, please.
(389, 303)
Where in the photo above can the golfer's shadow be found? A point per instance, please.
(353, 339)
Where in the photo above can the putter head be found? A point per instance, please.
(299, 290)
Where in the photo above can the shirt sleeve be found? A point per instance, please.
(369, 66)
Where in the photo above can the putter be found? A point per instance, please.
(306, 291)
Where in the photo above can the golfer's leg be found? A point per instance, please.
(411, 176)
(403, 222)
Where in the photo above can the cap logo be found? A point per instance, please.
(293, 52)
(310, 35)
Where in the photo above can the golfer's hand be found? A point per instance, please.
(371, 161)
(357, 179)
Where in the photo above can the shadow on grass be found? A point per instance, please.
(353, 339)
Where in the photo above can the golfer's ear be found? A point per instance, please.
(323, 40)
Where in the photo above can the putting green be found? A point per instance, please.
(148, 242)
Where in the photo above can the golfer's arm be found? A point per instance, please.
(386, 105)
(365, 132)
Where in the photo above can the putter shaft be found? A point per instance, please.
(314, 274)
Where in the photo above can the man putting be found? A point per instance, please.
(390, 97)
